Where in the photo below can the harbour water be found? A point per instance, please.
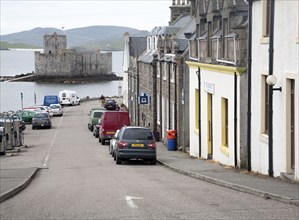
(22, 61)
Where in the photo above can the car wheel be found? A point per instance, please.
(33, 128)
(117, 160)
(153, 162)
(103, 141)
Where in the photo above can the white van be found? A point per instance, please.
(68, 97)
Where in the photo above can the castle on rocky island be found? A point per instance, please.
(58, 61)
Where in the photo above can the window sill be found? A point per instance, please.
(264, 138)
(225, 150)
(264, 40)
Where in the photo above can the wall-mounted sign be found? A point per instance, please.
(143, 99)
(209, 87)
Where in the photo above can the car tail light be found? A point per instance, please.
(122, 144)
(151, 145)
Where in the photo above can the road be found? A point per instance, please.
(80, 180)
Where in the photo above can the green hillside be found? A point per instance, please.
(5, 45)
(87, 38)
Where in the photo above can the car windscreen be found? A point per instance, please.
(138, 134)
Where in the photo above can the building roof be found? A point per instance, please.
(137, 45)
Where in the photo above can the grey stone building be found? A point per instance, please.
(57, 60)
(158, 77)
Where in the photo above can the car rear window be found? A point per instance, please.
(138, 134)
(97, 114)
(40, 115)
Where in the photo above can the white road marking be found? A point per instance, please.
(46, 160)
(130, 202)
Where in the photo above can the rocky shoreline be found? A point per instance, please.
(58, 79)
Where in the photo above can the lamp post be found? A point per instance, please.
(271, 81)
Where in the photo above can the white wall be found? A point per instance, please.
(223, 88)
(286, 56)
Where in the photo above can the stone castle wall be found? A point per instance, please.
(57, 60)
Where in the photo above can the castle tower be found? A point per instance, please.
(53, 43)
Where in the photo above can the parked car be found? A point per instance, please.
(27, 115)
(135, 143)
(112, 146)
(110, 104)
(41, 108)
(94, 116)
(41, 120)
(111, 121)
(96, 128)
(57, 109)
(68, 97)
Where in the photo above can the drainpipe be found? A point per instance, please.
(161, 107)
(175, 99)
(199, 113)
(235, 118)
(154, 65)
(270, 87)
(249, 57)
(137, 100)
(169, 122)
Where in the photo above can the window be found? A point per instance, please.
(172, 71)
(193, 48)
(266, 18)
(196, 109)
(148, 44)
(224, 122)
(165, 71)
(172, 115)
(265, 105)
(158, 109)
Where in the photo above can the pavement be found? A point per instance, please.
(16, 177)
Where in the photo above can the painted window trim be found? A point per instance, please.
(224, 150)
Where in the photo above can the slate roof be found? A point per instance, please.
(184, 24)
(137, 45)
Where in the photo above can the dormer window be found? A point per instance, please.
(230, 50)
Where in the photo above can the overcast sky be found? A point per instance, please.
(22, 15)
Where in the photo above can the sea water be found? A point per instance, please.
(15, 95)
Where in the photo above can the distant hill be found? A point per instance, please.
(92, 37)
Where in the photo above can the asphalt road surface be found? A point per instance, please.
(82, 181)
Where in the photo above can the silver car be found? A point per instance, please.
(112, 144)
(56, 109)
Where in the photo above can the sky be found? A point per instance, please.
(23, 15)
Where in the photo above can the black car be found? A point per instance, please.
(135, 143)
(41, 120)
(110, 104)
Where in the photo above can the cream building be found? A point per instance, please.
(285, 153)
